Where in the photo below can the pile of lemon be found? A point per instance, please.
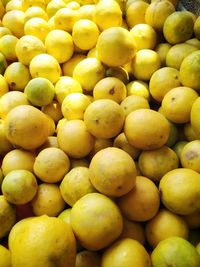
(99, 134)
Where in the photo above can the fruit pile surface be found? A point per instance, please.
(99, 134)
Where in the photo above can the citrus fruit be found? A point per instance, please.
(68, 67)
(5, 145)
(35, 11)
(194, 118)
(65, 18)
(37, 27)
(139, 88)
(7, 46)
(162, 50)
(88, 258)
(5, 256)
(135, 13)
(14, 21)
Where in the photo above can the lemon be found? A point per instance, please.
(145, 63)
(59, 44)
(48, 200)
(7, 216)
(40, 91)
(65, 216)
(189, 132)
(53, 6)
(189, 71)
(14, 5)
(135, 13)
(88, 258)
(87, 11)
(70, 133)
(85, 34)
(14, 21)
(51, 164)
(74, 106)
(51, 124)
(193, 41)
(45, 66)
(144, 36)
(76, 184)
(27, 47)
(194, 118)
(107, 14)
(162, 81)
(187, 196)
(68, 67)
(65, 86)
(7, 46)
(53, 242)
(79, 163)
(178, 27)
(118, 72)
(134, 254)
(5, 145)
(115, 46)
(17, 76)
(104, 118)
(4, 31)
(23, 123)
(3, 86)
(177, 53)
(107, 171)
(35, 11)
(65, 18)
(197, 28)
(72, 5)
(19, 186)
(99, 144)
(88, 72)
(145, 136)
(5, 256)
(29, 3)
(37, 27)
(139, 88)
(110, 88)
(51, 23)
(177, 104)
(157, 13)
(97, 234)
(162, 50)
(53, 110)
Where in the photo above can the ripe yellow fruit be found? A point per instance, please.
(107, 14)
(110, 88)
(68, 67)
(59, 44)
(145, 194)
(96, 234)
(27, 47)
(141, 132)
(7, 46)
(85, 34)
(87, 11)
(145, 63)
(156, 163)
(65, 216)
(5, 145)
(17, 76)
(51, 164)
(112, 172)
(29, 3)
(139, 88)
(35, 11)
(48, 200)
(3, 86)
(177, 104)
(87, 258)
(194, 117)
(76, 184)
(4, 31)
(26, 127)
(99, 144)
(37, 27)
(104, 118)
(70, 134)
(19, 186)
(52, 242)
(135, 13)
(45, 66)
(53, 6)
(115, 46)
(162, 81)
(53, 110)
(65, 18)
(14, 21)
(126, 252)
(162, 50)
(18, 159)
(5, 256)
(74, 106)
(7, 216)
(157, 12)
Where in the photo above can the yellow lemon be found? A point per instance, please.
(76, 184)
(5, 257)
(7, 47)
(53, 110)
(19, 186)
(74, 106)
(145, 63)
(96, 234)
(45, 66)
(65, 86)
(193, 41)
(87, 11)
(139, 88)
(118, 72)
(134, 254)
(48, 200)
(23, 123)
(68, 67)
(70, 134)
(107, 14)
(14, 21)
(197, 28)
(37, 27)
(65, 18)
(29, 3)
(107, 172)
(65, 216)
(135, 13)
(53, 6)
(99, 144)
(53, 241)
(14, 5)
(4, 31)
(104, 118)
(17, 76)
(115, 46)
(51, 164)
(194, 117)
(85, 34)
(3, 86)
(35, 11)
(5, 145)
(162, 50)
(88, 72)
